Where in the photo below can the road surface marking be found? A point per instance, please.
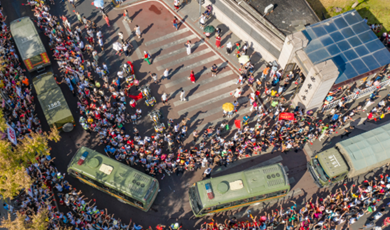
(170, 35)
(183, 59)
(132, 41)
(178, 51)
(192, 66)
(206, 92)
(197, 75)
(176, 42)
(208, 80)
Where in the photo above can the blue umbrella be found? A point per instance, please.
(98, 3)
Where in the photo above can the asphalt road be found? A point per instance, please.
(171, 204)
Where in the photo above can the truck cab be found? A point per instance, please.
(328, 167)
(29, 44)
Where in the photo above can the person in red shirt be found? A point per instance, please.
(192, 76)
(218, 41)
(175, 23)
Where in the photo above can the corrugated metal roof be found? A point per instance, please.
(369, 149)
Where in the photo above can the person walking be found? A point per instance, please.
(188, 47)
(79, 17)
(95, 56)
(146, 57)
(214, 70)
(126, 15)
(175, 23)
(182, 95)
(218, 41)
(165, 74)
(229, 48)
(202, 21)
(121, 37)
(107, 20)
(72, 3)
(265, 72)
(137, 31)
(244, 49)
(101, 44)
(237, 92)
(164, 98)
(192, 77)
(176, 4)
(154, 77)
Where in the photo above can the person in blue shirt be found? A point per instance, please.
(137, 227)
(246, 118)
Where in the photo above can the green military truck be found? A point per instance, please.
(352, 157)
(29, 44)
(53, 102)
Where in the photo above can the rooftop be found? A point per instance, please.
(349, 42)
(288, 16)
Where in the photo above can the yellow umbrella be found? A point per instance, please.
(244, 59)
(228, 106)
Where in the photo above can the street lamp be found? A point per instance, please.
(200, 7)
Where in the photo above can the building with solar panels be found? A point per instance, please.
(332, 53)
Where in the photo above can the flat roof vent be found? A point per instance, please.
(276, 182)
(106, 169)
(236, 185)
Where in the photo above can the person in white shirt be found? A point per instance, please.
(164, 98)
(182, 95)
(165, 74)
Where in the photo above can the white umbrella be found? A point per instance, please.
(98, 3)
(117, 46)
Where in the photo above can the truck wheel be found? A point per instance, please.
(67, 127)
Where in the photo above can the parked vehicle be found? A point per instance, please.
(352, 157)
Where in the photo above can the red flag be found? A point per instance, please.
(238, 124)
(286, 116)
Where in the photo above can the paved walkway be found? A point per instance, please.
(204, 99)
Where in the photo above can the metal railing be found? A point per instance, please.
(357, 94)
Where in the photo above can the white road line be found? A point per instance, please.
(181, 60)
(170, 35)
(192, 66)
(197, 75)
(176, 52)
(176, 42)
(206, 92)
(208, 80)
(132, 41)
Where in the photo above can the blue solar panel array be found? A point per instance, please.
(349, 41)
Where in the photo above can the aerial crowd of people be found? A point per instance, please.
(102, 101)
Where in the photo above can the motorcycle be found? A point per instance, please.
(149, 99)
(156, 115)
(127, 68)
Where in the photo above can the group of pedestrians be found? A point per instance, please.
(16, 95)
(338, 210)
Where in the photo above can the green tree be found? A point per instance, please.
(15, 224)
(15, 159)
(39, 221)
